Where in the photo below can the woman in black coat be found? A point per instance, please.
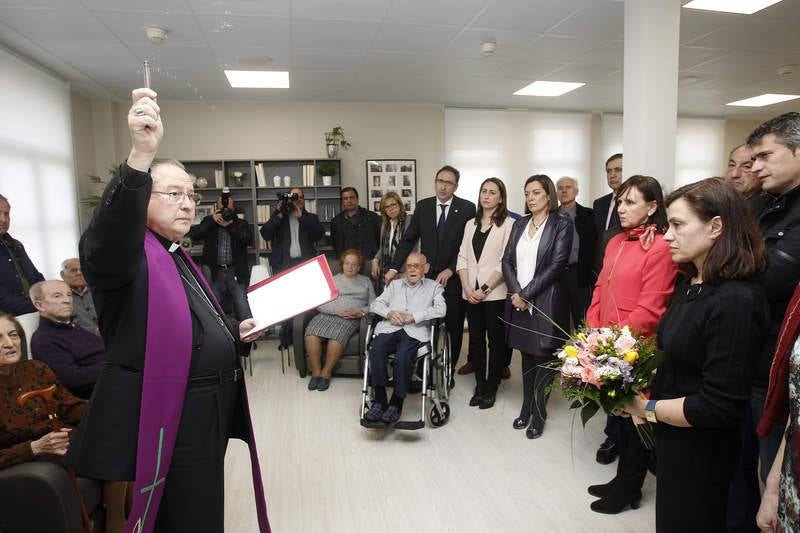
(710, 335)
(533, 267)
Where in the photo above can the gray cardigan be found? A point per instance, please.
(356, 293)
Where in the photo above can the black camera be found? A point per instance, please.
(286, 201)
(225, 200)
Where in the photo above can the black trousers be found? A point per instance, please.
(454, 320)
(404, 349)
(484, 321)
(633, 458)
(535, 379)
(286, 327)
(578, 297)
(194, 492)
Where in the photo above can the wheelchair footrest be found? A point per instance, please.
(373, 425)
(410, 424)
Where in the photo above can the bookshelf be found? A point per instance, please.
(254, 189)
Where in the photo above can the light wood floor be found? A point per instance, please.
(323, 472)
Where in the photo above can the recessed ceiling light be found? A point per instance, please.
(744, 7)
(255, 61)
(549, 88)
(258, 79)
(764, 99)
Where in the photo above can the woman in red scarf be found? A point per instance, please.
(780, 503)
(633, 289)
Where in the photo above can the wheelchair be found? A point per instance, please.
(436, 374)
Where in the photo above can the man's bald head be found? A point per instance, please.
(416, 267)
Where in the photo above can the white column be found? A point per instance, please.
(651, 88)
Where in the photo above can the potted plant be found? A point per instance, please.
(334, 139)
(92, 200)
(327, 170)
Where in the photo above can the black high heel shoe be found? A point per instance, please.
(520, 423)
(601, 491)
(617, 501)
(536, 428)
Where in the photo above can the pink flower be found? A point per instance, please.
(589, 376)
(592, 340)
(624, 343)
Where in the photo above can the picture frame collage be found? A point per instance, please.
(395, 175)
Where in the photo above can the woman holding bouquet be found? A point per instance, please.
(711, 336)
(533, 267)
(633, 289)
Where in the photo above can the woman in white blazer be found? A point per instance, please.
(480, 268)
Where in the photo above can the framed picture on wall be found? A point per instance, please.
(392, 175)
(202, 211)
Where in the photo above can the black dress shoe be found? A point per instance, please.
(601, 491)
(617, 501)
(520, 423)
(487, 402)
(536, 429)
(607, 452)
(476, 399)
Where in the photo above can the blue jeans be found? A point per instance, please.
(227, 287)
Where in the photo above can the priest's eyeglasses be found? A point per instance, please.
(176, 197)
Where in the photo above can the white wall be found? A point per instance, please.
(37, 173)
(294, 130)
(512, 145)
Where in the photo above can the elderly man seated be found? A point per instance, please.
(73, 353)
(83, 312)
(407, 305)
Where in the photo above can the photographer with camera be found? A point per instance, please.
(226, 239)
(294, 232)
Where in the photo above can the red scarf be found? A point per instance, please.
(645, 234)
(776, 408)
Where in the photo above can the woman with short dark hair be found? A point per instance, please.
(533, 267)
(633, 290)
(710, 335)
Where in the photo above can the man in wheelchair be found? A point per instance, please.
(407, 306)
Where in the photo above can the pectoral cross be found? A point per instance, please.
(152, 487)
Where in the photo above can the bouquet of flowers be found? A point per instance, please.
(605, 368)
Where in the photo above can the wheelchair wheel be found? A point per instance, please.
(439, 418)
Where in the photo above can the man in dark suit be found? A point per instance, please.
(580, 277)
(439, 223)
(294, 233)
(226, 239)
(605, 208)
(606, 218)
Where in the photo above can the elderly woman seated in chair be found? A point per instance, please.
(29, 395)
(338, 320)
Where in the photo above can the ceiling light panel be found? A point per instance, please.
(258, 79)
(764, 100)
(548, 88)
(744, 7)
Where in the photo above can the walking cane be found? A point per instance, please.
(46, 395)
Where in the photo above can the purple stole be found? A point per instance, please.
(168, 353)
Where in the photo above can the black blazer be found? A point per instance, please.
(587, 248)
(276, 229)
(241, 237)
(600, 208)
(535, 333)
(440, 254)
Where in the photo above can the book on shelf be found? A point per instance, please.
(262, 213)
(308, 175)
(260, 178)
(311, 206)
(219, 179)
